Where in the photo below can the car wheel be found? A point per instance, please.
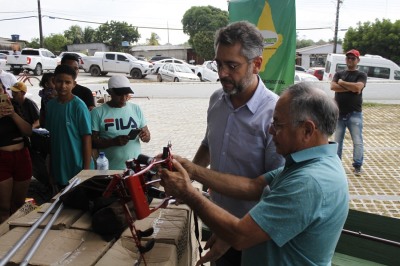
(159, 78)
(103, 73)
(176, 80)
(201, 78)
(38, 70)
(136, 73)
(95, 71)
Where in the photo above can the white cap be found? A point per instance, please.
(119, 85)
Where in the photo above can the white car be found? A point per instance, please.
(300, 76)
(207, 71)
(158, 64)
(176, 73)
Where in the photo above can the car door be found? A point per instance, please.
(168, 72)
(51, 60)
(210, 72)
(122, 64)
(44, 59)
(109, 62)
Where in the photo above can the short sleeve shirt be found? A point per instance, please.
(112, 122)
(349, 101)
(303, 210)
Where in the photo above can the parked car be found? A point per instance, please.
(300, 76)
(158, 64)
(103, 62)
(300, 68)
(35, 60)
(176, 72)
(375, 66)
(158, 58)
(316, 71)
(207, 71)
(79, 55)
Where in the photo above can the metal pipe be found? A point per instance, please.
(42, 235)
(23, 239)
(372, 238)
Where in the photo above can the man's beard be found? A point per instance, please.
(240, 86)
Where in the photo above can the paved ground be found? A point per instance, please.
(377, 191)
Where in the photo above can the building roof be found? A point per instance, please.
(140, 48)
(320, 49)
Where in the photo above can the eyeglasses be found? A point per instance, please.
(229, 67)
(352, 58)
(278, 126)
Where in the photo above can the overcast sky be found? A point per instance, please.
(163, 14)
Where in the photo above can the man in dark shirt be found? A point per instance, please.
(348, 86)
(84, 93)
(25, 106)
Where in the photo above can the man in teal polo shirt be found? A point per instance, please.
(302, 206)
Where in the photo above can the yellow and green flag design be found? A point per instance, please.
(276, 19)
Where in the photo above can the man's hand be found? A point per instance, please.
(144, 135)
(121, 140)
(177, 183)
(217, 249)
(188, 165)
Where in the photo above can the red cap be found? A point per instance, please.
(354, 52)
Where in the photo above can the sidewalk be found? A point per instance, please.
(377, 190)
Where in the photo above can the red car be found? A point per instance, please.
(316, 71)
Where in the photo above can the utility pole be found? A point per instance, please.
(336, 26)
(40, 25)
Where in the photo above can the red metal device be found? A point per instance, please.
(135, 185)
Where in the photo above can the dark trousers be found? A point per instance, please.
(231, 258)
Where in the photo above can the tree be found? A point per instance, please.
(35, 43)
(205, 21)
(303, 43)
(56, 42)
(203, 44)
(379, 38)
(74, 34)
(88, 35)
(153, 40)
(114, 33)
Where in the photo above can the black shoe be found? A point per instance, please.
(357, 171)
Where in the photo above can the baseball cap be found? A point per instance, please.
(19, 86)
(120, 85)
(354, 52)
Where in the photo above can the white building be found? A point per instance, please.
(315, 55)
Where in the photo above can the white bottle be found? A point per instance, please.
(102, 163)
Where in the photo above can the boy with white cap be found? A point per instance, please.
(112, 122)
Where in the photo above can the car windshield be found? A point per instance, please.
(183, 69)
(131, 57)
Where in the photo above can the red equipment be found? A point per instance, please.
(137, 181)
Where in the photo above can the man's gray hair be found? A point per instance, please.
(242, 32)
(310, 103)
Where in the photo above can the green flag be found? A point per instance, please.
(276, 19)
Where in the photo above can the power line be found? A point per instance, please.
(142, 27)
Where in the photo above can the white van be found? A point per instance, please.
(375, 66)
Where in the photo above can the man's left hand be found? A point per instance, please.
(217, 248)
(176, 183)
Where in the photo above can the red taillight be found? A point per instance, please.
(80, 61)
(28, 60)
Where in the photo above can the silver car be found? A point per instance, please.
(177, 73)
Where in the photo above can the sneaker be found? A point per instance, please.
(357, 171)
